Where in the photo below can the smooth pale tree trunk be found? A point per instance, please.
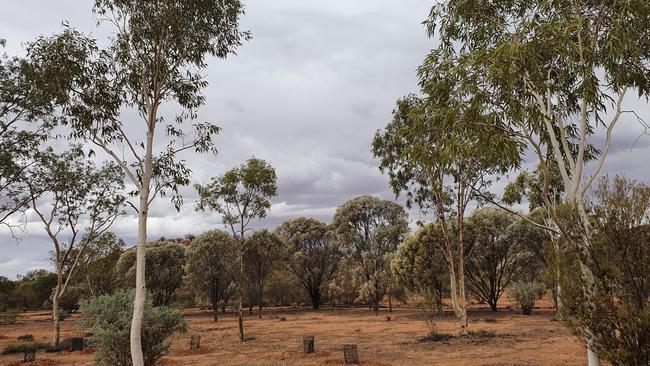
(140, 287)
(56, 319)
(458, 299)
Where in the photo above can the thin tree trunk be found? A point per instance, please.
(140, 286)
(493, 306)
(315, 300)
(390, 303)
(56, 319)
(241, 290)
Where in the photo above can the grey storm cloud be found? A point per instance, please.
(307, 94)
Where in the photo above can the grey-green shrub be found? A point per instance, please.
(109, 319)
(526, 293)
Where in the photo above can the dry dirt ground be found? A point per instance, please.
(520, 340)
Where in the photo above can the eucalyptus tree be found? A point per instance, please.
(165, 270)
(77, 203)
(262, 254)
(102, 255)
(420, 267)
(369, 230)
(157, 55)
(210, 266)
(553, 73)
(239, 196)
(95, 273)
(442, 151)
(497, 259)
(22, 103)
(313, 254)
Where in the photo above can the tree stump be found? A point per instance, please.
(308, 344)
(350, 353)
(195, 341)
(30, 356)
(77, 344)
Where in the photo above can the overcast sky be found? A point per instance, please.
(307, 94)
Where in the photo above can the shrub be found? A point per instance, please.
(483, 334)
(109, 319)
(26, 338)
(24, 347)
(69, 303)
(436, 337)
(614, 311)
(526, 293)
(9, 316)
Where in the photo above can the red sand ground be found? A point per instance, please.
(520, 340)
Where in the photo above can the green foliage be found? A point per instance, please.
(23, 347)
(98, 270)
(312, 252)
(263, 252)
(69, 302)
(7, 287)
(80, 199)
(164, 270)
(109, 319)
(526, 293)
(369, 230)
(241, 194)
(34, 289)
(210, 266)
(420, 267)
(535, 64)
(94, 85)
(284, 289)
(496, 258)
(345, 287)
(22, 103)
(618, 257)
(26, 338)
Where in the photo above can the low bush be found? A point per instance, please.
(9, 316)
(526, 293)
(483, 334)
(436, 337)
(109, 319)
(23, 347)
(26, 338)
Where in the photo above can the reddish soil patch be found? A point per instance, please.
(518, 340)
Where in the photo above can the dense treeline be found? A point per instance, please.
(365, 255)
